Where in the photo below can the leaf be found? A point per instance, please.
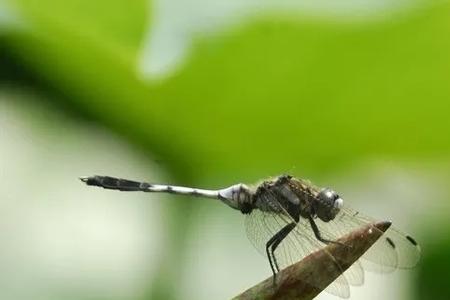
(268, 95)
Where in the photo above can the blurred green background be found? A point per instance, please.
(352, 95)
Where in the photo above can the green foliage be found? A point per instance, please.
(434, 272)
(260, 98)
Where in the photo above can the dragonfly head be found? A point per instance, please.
(328, 205)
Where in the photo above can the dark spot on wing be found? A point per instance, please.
(390, 242)
(413, 241)
(169, 189)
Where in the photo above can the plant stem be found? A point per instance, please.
(307, 278)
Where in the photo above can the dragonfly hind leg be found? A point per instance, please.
(274, 242)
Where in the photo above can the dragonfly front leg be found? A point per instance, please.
(318, 235)
(273, 243)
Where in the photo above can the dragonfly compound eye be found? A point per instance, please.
(329, 204)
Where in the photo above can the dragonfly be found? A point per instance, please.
(288, 218)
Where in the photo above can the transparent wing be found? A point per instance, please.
(393, 250)
(261, 226)
(354, 274)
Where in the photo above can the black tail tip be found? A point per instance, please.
(89, 180)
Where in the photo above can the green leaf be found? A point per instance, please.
(263, 97)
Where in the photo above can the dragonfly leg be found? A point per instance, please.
(318, 235)
(273, 243)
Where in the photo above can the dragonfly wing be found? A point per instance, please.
(393, 250)
(261, 226)
(354, 274)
